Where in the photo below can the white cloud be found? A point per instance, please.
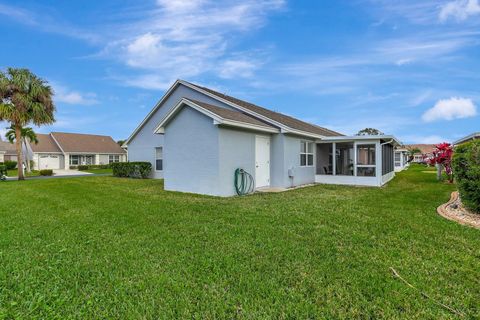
(450, 109)
(237, 68)
(421, 98)
(178, 6)
(65, 95)
(45, 23)
(184, 39)
(148, 81)
(459, 10)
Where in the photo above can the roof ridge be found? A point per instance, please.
(83, 134)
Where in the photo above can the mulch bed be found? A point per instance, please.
(455, 211)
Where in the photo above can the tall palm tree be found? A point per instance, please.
(27, 134)
(24, 98)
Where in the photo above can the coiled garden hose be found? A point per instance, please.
(244, 182)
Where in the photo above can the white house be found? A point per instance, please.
(196, 138)
(401, 158)
(60, 150)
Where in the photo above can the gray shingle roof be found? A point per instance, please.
(45, 144)
(8, 148)
(77, 142)
(231, 114)
(288, 121)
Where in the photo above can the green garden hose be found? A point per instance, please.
(244, 182)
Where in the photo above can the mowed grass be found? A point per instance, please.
(100, 171)
(104, 247)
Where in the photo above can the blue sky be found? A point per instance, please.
(408, 68)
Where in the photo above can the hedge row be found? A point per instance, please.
(90, 167)
(139, 170)
(9, 164)
(466, 169)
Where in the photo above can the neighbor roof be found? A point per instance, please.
(424, 148)
(45, 144)
(275, 116)
(76, 142)
(8, 148)
(472, 136)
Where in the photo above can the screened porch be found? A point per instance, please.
(355, 160)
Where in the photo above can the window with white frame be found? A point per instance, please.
(113, 158)
(159, 159)
(306, 154)
(74, 160)
(366, 160)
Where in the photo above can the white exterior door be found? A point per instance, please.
(49, 161)
(262, 161)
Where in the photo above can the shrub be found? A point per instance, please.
(82, 167)
(3, 169)
(132, 169)
(46, 172)
(73, 167)
(10, 164)
(466, 168)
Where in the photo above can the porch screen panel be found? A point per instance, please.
(344, 159)
(387, 159)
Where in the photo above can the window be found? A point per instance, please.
(74, 160)
(158, 159)
(366, 160)
(306, 154)
(113, 158)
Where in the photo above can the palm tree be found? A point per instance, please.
(27, 133)
(24, 98)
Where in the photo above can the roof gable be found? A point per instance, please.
(45, 144)
(220, 116)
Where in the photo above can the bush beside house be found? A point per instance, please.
(46, 172)
(466, 168)
(11, 165)
(132, 169)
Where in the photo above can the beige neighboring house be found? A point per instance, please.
(426, 151)
(60, 150)
(7, 151)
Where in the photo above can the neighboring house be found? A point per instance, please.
(196, 137)
(401, 157)
(426, 151)
(8, 152)
(470, 137)
(60, 150)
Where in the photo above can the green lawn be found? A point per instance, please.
(14, 173)
(100, 171)
(104, 247)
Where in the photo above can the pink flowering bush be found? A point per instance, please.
(442, 155)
